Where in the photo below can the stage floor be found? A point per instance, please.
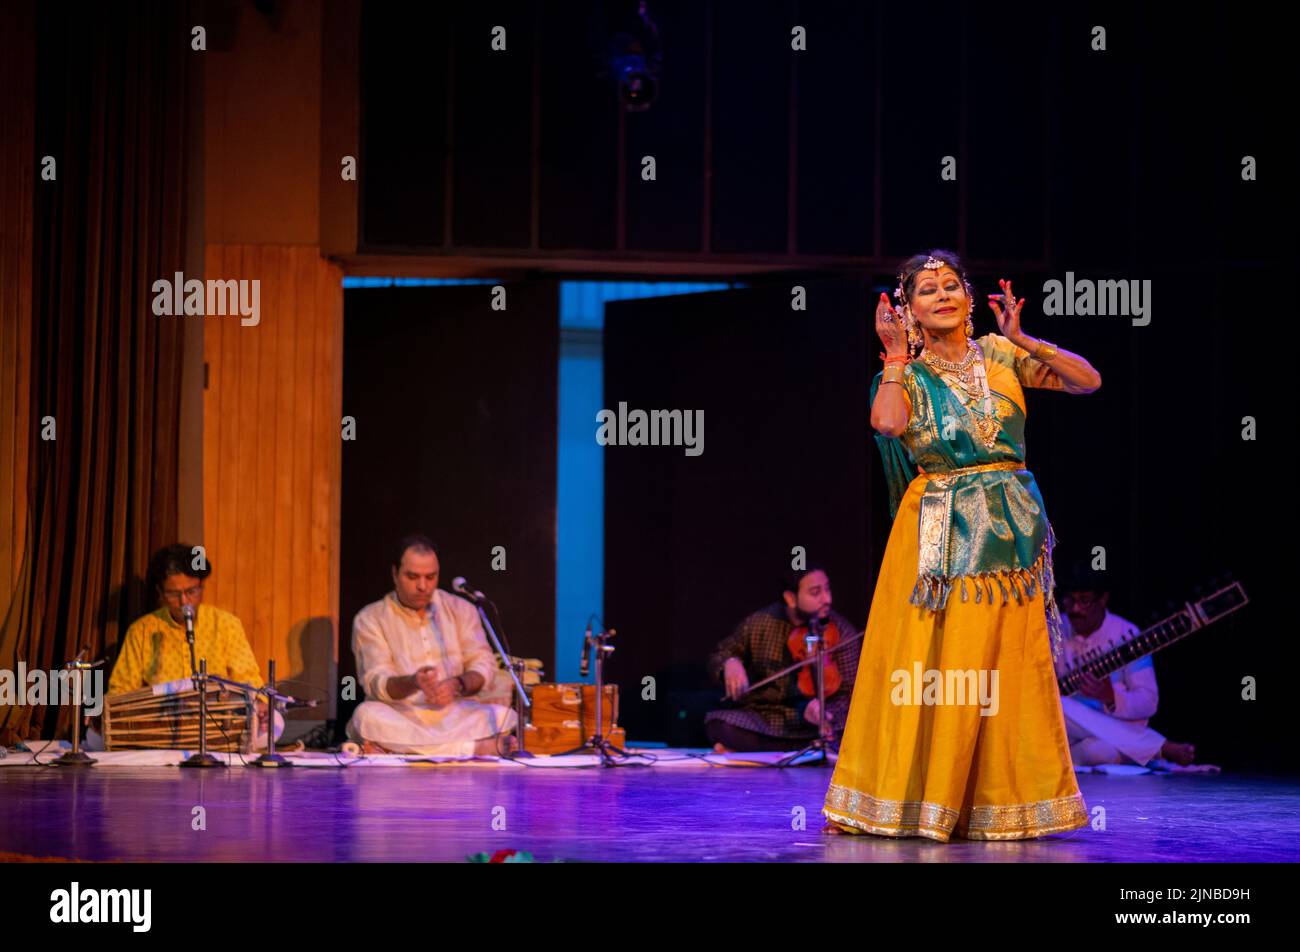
(444, 813)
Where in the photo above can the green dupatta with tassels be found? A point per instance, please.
(980, 532)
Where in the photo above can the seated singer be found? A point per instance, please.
(780, 715)
(155, 649)
(421, 656)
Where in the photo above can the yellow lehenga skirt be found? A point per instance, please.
(935, 770)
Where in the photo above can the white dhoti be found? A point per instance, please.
(1100, 738)
(451, 731)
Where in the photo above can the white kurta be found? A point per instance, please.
(390, 640)
(1100, 733)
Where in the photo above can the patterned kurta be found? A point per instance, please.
(155, 651)
(776, 709)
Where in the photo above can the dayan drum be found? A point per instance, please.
(166, 716)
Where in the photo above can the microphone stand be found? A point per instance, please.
(598, 743)
(270, 758)
(521, 703)
(76, 757)
(202, 758)
(819, 745)
(199, 675)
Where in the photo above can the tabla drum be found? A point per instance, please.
(166, 717)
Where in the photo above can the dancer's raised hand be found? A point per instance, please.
(1007, 310)
(889, 327)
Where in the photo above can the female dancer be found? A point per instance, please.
(956, 723)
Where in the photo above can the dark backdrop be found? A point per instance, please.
(455, 409)
(693, 543)
(1065, 155)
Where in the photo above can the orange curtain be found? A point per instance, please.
(110, 93)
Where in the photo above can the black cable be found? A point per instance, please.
(618, 760)
(229, 743)
(344, 766)
(36, 760)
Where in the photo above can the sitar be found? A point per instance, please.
(1193, 616)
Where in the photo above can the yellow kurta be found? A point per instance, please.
(155, 651)
(939, 769)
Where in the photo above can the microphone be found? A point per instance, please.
(458, 586)
(286, 701)
(188, 612)
(586, 644)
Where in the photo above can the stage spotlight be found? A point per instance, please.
(634, 56)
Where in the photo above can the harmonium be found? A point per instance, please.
(564, 717)
(166, 716)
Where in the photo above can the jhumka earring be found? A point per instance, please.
(914, 338)
(970, 311)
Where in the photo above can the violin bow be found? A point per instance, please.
(796, 666)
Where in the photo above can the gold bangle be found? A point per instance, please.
(892, 374)
(1044, 351)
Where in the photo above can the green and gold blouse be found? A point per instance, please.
(982, 520)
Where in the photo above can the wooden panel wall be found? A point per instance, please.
(271, 458)
(17, 169)
(262, 121)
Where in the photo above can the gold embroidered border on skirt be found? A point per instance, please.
(861, 811)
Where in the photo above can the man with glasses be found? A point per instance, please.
(1106, 720)
(155, 649)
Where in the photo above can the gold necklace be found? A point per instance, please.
(938, 363)
(969, 381)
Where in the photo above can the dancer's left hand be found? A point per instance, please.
(1007, 310)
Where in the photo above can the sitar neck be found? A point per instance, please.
(1191, 617)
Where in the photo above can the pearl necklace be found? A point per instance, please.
(970, 382)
